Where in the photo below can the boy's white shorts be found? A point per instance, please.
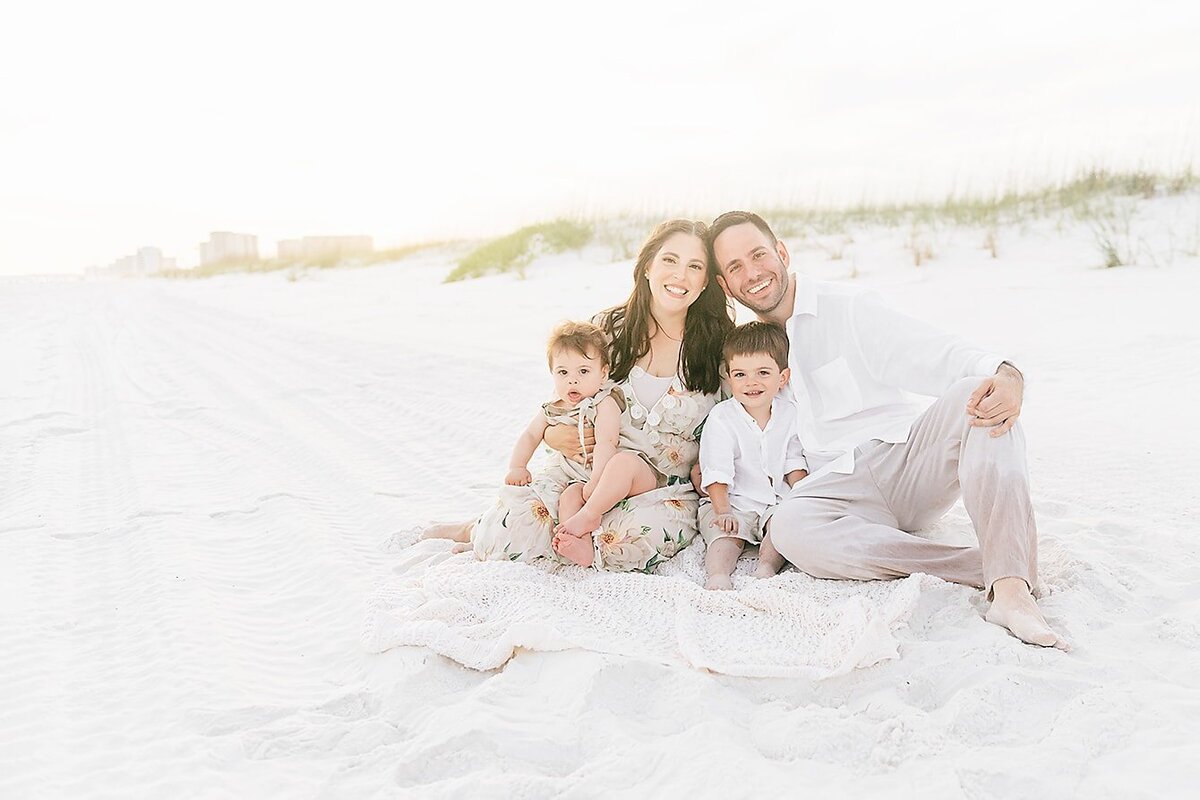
(750, 525)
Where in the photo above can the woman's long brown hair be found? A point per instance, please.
(708, 319)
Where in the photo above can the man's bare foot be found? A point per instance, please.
(581, 523)
(576, 549)
(455, 531)
(1014, 608)
(719, 581)
(769, 559)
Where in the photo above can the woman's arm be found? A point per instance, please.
(518, 474)
(565, 439)
(607, 434)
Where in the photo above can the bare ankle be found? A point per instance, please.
(1010, 589)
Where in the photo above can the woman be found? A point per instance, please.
(665, 354)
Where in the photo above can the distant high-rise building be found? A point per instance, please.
(146, 261)
(225, 246)
(324, 246)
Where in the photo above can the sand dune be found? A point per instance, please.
(203, 483)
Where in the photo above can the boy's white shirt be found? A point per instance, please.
(749, 460)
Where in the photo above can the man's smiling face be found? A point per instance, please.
(753, 271)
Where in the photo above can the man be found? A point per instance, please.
(880, 468)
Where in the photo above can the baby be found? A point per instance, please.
(750, 454)
(578, 357)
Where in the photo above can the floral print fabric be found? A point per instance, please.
(639, 532)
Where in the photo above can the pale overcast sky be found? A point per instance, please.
(125, 124)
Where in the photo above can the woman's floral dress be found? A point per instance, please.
(641, 531)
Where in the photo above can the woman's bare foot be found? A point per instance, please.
(719, 581)
(581, 523)
(1014, 608)
(576, 549)
(455, 531)
(769, 560)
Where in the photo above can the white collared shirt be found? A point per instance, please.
(854, 364)
(750, 460)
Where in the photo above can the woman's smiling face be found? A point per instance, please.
(677, 274)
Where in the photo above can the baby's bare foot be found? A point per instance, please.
(576, 549)
(581, 523)
(1014, 608)
(724, 582)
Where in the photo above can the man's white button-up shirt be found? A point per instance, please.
(854, 362)
(750, 460)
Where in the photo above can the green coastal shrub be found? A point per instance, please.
(513, 252)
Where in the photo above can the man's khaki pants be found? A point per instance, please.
(855, 526)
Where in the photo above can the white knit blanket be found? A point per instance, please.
(480, 613)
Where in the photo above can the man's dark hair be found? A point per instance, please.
(728, 220)
(757, 337)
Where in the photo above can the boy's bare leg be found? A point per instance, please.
(769, 559)
(625, 475)
(570, 501)
(455, 531)
(719, 560)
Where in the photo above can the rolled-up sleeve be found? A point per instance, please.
(987, 365)
(717, 447)
(794, 456)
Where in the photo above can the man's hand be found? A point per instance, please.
(997, 402)
(518, 476)
(565, 439)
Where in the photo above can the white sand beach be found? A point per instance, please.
(206, 484)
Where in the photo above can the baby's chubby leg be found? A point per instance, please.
(625, 475)
(572, 548)
(719, 560)
(570, 501)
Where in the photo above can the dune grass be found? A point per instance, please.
(1096, 197)
(1103, 200)
(322, 262)
(1076, 197)
(1099, 198)
(514, 251)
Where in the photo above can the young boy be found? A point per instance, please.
(750, 454)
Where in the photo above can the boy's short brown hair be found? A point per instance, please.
(578, 337)
(757, 337)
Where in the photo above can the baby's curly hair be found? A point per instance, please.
(578, 337)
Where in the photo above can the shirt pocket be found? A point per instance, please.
(837, 390)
